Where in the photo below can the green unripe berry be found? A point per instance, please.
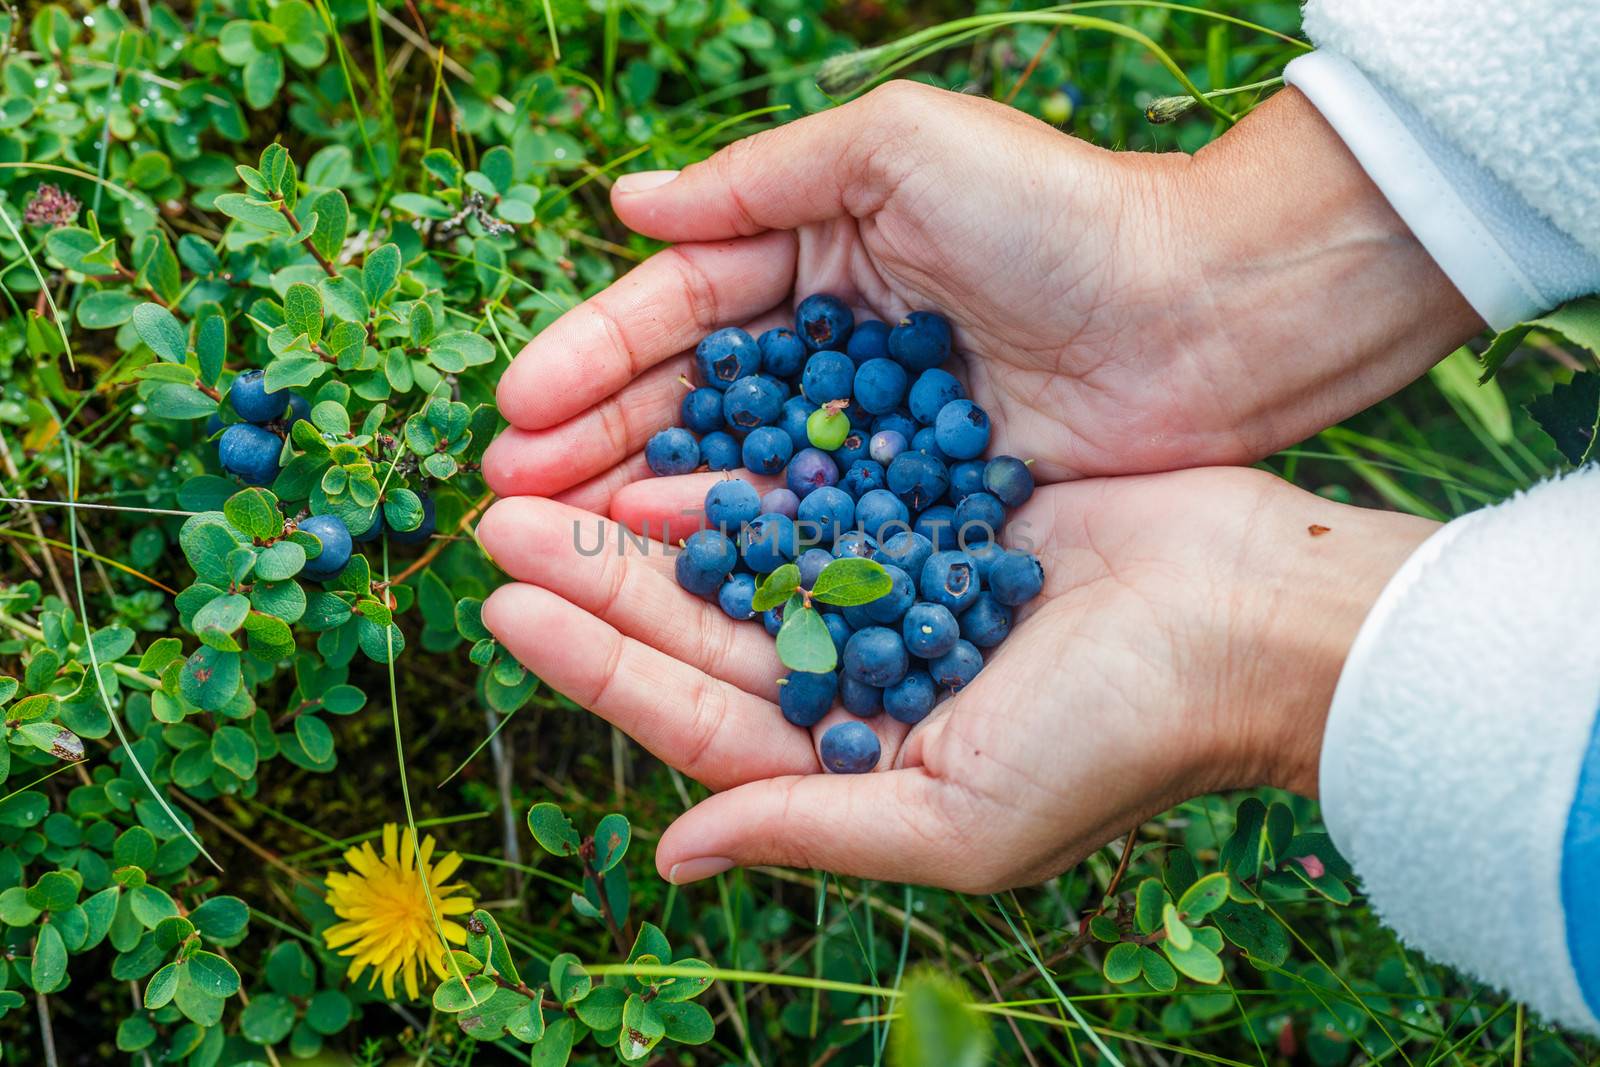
(1056, 108)
(826, 428)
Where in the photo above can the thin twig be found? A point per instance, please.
(47, 1033)
(33, 521)
(1016, 1031)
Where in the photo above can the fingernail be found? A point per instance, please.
(644, 180)
(696, 869)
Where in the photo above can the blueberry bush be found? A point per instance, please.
(262, 263)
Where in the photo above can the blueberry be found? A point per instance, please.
(898, 421)
(250, 452)
(782, 352)
(1009, 479)
(932, 390)
(811, 562)
(854, 543)
(917, 478)
(849, 748)
(825, 513)
(856, 618)
(911, 698)
(806, 697)
(768, 543)
(766, 450)
(869, 340)
(299, 409)
(986, 556)
(926, 441)
(214, 425)
(921, 340)
(839, 629)
(672, 451)
(938, 525)
(860, 699)
(701, 410)
(978, 518)
(888, 609)
(828, 376)
(951, 579)
(374, 529)
(957, 667)
(735, 596)
(876, 656)
(987, 622)
(424, 530)
(823, 321)
(811, 468)
(827, 427)
(879, 511)
(334, 536)
(887, 444)
(731, 504)
(1016, 578)
(851, 449)
(863, 476)
(780, 501)
(772, 620)
(707, 558)
(793, 418)
(907, 550)
(880, 385)
(966, 478)
(720, 451)
(754, 400)
(962, 429)
(251, 400)
(725, 356)
(929, 630)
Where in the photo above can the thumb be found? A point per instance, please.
(816, 168)
(884, 826)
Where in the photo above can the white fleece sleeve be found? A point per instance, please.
(1476, 120)
(1461, 763)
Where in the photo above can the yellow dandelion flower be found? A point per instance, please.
(387, 925)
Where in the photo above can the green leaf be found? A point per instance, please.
(213, 974)
(217, 622)
(49, 960)
(234, 750)
(555, 1048)
(268, 1019)
(1197, 961)
(938, 1025)
(210, 677)
(161, 331)
(454, 996)
(1178, 934)
(688, 1024)
(302, 311)
(1157, 971)
(173, 401)
(1577, 321)
(53, 738)
(329, 1012)
(254, 513)
(852, 581)
(553, 830)
(333, 223)
(380, 272)
(1122, 963)
(568, 979)
(642, 1028)
(159, 990)
(314, 736)
(263, 77)
(1255, 931)
(611, 839)
(1149, 899)
(776, 587)
(1205, 896)
(804, 643)
(255, 212)
(1570, 414)
(55, 891)
(279, 561)
(220, 917)
(106, 309)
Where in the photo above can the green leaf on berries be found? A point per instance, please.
(160, 330)
(850, 582)
(776, 587)
(804, 643)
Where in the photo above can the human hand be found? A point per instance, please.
(1117, 312)
(1188, 639)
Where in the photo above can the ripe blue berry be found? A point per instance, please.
(911, 698)
(823, 321)
(887, 444)
(921, 340)
(869, 340)
(672, 451)
(851, 450)
(251, 400)
(880, 385)
(926, 441)
(708, 557)
(334, 536)
(898, 421)
(424, 529)
(986, 556)
(766, 450)
(907, 550)
(1009, 479)
(855, 543)
(828, 376)
(917, 478)
(701, 410)
(860, 699)
(863, 476)
(951, 579)
(888, 609)
(374, 529)
(875, 655)
(932, 390)
(805, 697)
(978, 518)
(879, 509)
(966, 478)
(811, 563)
(929, 630)
(962, 429)
(725, 356)
(849, 748)
(754, 400)
(792, 420)
(772, 620)
(735, 596)
(839, 629)
(250, 452)
(780, 501)
(957, 667)
(768, 543)
(782, 352)
(987, 622)
(938, 525)
(1016, 578)
(719, 451)
(811, 468)
(825, 513)
(731, 504)
(299, 409)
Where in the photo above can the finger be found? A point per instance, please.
(714, 732)
(629, 585)
(546, 462)
(886, 826)
(677, 502)
(596, 494)
(652, 313)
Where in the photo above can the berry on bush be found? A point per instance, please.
(334, 536)
(246, 450)
(250, 398)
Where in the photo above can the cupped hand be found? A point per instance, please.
(1188, 639)
(1115, 312)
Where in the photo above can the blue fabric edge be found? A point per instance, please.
(1580, 876)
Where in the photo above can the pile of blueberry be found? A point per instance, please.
(251, 450)
(880, 452)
